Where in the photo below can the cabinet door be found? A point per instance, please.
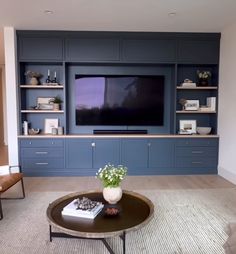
(92, 49)
(198, 51)
(38, 48)
(134, 154)
(149, 50)
(79, 153)
(106, 151)
(161, 153)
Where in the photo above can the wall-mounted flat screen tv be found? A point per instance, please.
(119, 100)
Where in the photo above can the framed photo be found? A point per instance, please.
(187, 126)
(45, 103)
(49, 124)
(192, 105)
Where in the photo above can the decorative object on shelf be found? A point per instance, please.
(33, 131)
(49, 124)
(111, 177)
(54, 131)
(57, 102)
(60, 130)
(211, 103)
(25, 128)
(203, 130)
(188, 83)
(34, 76)
(187, 126)
(45, 103)
(203, 77)
(182, 101)
(51, 81)
(191, 105)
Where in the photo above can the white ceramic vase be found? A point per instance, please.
(112, 194)
(34, 81)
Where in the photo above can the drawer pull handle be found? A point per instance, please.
(197, 151)
(41, 163)
(41, 152)
(196, 162)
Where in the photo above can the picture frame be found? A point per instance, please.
(191, 105)
(187, 127)
(45, 103)
(50, 123)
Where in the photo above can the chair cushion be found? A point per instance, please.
(6, 181)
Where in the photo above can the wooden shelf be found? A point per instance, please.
(198, 88)
(42, 87)
(194, 112)
(42, 111)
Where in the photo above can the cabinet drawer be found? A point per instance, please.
(42, 143)
(41, 152)
(42, 163)
(196, 162)
(195, 151)
(197, 142)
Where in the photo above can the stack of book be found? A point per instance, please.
(83, 208)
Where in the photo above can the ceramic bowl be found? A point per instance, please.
(34, 131)
(203, 130)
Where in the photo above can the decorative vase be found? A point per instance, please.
(112, 194)
(203, 82)
(56, 106)
(34, 81)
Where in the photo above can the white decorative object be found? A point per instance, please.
(34, 81)
(191, 105)
(112, 194)
(187, 126)
(25, 127)
(203, 130)
(49, 124)
(211, 103)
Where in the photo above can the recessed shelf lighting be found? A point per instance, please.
(48, 12)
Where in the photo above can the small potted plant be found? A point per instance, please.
(56, 103)
(111, 177)
(33, 76)
(203, 77)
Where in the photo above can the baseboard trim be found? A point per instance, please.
(231, 177)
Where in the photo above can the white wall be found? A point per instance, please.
(11, 96)
(227, 104)
(2, 58)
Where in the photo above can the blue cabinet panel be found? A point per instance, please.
(150, 50)
(197, 142)
(92, 49)
(197, 161)
(40, 48)
(79, 153)
(161, 152)
(42, 163)
(134, 153)
(42, 152)
(106, 151)
(198, 51)
(196, 151)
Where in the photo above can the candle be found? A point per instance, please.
(55, 74)
(48, 73)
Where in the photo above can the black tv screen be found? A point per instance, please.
(119, 100)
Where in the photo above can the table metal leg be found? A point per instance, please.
(50, 233)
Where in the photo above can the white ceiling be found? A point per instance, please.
(119, 15)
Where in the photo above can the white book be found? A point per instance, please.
(71, 210)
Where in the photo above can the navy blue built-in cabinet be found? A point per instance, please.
(176, 56)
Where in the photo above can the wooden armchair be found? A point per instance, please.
(7, 181)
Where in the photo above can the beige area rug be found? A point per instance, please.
(185, 221)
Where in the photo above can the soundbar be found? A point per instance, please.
(119, 131)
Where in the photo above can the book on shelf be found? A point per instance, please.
(211, 103)
(188, 84)
(72, 210)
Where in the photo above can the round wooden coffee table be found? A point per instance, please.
(135, 212)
